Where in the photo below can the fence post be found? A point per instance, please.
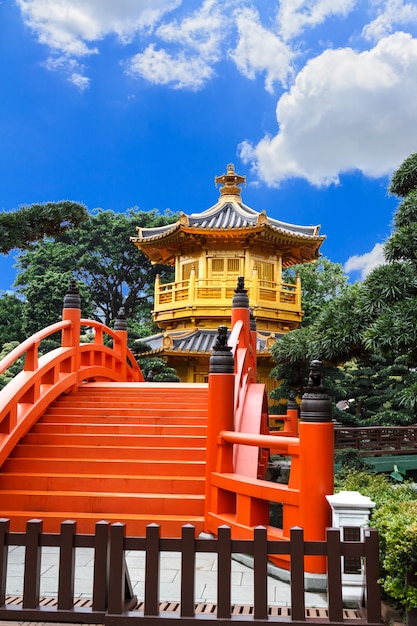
(224, 572)
(152, 570)
(66, 574)
(71, 336)
(260, 572)
(298, 612)
(187, 570)
(4, 553)
(316, 464)
(220, 416)
(373, 589)
(32, 574)
(101, 566)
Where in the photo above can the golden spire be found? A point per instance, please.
(230, 182)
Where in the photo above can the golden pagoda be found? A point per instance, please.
(209, 251)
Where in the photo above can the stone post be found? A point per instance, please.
(350, 513)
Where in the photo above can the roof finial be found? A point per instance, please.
(230, 182)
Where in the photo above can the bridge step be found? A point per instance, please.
(101, 503)
(171, 525)
(123, 440)
(135, 467)
(133, 453)
(62, 428)
(115, 452)
(135, 484)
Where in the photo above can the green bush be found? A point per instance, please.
(395, 518)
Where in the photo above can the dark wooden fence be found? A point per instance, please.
(113, 603)
(377, 440)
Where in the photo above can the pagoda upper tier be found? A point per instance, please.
(230, 219)
(211, 249)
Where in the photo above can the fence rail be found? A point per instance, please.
(113, 602)
(377, 440)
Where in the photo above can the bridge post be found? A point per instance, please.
(120, 328)
(291, 418)
(240, 311)
(316, 463)
(71, 335)
(220, 417)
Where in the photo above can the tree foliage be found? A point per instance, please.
(110, 271)
(11, 319)
(19, 228)
(373, 324)
(320, 281)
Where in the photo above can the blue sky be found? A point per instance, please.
(142, 102)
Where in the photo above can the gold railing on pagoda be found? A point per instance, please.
(204, 291)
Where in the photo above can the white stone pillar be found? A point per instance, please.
(350, 512)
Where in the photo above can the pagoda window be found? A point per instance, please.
(266, 272)
(217, 267)
(186, 270)
(222, 268)
(233, 266)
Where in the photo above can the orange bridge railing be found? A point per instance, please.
(44, 378)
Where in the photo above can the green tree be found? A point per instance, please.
(17, 366)
(101, 257)
(19, 228)
(375, 322)
(11, 314)
(320, 281)
(375, 386)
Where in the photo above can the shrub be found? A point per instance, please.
(395, 518)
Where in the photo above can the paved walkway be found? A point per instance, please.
(170, 578)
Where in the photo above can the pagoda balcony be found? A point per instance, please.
(199, 294)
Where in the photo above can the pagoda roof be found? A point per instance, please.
(229, 217)
(193, 341)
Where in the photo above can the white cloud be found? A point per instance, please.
(295, 15)
(391, 14)
(195, 44)
(159, 67)
(365, 263)
(80, 81)
(259, 50)
(69, 26)
(202, 31)
(346, 111)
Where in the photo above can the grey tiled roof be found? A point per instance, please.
(199, 340)
(228, 214)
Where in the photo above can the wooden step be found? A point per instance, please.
(103, 502)
(135, 467)
(136, 525)
(53, 428)
(131, 412)
(131, 453)
(123, 440)
(14, 481)
(110, 452)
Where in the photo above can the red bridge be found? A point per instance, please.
(84, 437)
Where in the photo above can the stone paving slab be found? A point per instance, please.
(170, 578)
